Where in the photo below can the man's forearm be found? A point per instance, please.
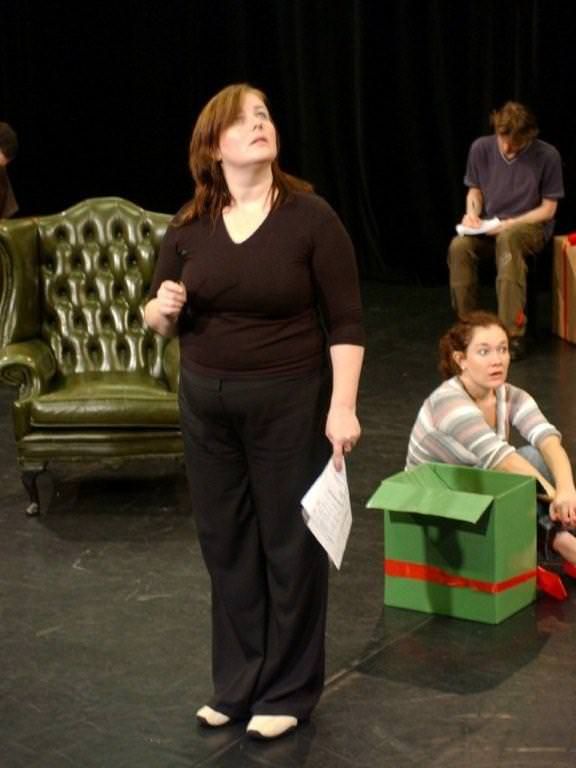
(539, 215)
(474, 202)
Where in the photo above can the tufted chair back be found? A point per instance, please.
(93, 382)
(96, 265)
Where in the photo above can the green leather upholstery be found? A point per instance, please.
(93, 381)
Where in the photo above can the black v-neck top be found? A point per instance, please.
(260, 307)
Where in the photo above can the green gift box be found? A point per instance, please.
(459, 541)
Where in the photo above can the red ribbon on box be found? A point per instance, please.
(436, 575)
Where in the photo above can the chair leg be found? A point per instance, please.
(29, 479)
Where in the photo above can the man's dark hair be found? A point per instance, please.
(8, 141)
(516, 121)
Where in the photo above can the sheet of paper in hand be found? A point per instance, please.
(327, 511)
(486, 226)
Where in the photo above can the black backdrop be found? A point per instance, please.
(376, 102)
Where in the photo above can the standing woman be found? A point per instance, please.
(249, 275)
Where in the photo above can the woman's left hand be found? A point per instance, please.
(343, 431)
(563, 508)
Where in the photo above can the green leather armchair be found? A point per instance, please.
(93, 382)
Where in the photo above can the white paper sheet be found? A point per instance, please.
(487, 226)
(327, 511)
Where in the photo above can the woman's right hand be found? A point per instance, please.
(170, 297)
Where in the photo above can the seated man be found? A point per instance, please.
(8, 149)
(518, 178)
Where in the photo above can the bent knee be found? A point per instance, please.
(461, 249)
(512, 239)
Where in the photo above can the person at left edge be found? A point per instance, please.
(8, 150)
(249, 275)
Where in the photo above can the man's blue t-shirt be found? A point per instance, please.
(512, 187)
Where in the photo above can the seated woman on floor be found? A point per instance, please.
(467, 419)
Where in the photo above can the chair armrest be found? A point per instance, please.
(171, 363)
(28, 365)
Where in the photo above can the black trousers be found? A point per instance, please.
(252, 449)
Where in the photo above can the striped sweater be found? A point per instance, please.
(451, 429)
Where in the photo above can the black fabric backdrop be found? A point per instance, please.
(376, 102)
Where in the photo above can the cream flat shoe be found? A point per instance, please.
(211, 718)
(270, 726)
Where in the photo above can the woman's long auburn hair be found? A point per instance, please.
(458, 337)
(211, 193)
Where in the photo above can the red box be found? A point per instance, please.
(564, 289)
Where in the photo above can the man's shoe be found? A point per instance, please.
(267, 727)
(211, 718)
(518, 348)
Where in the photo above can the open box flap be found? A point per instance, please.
(406, 492)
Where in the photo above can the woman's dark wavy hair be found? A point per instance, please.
(458, 337)
(211, 193)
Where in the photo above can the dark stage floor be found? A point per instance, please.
(105, 611)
